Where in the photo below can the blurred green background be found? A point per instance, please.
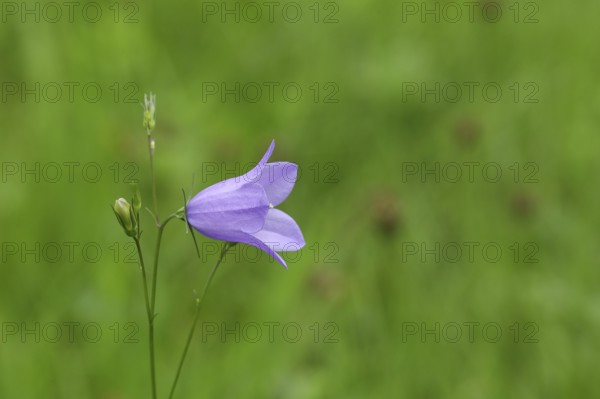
(385, 305)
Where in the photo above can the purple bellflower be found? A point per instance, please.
(241, 209)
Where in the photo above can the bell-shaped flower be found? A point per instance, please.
(242, 209)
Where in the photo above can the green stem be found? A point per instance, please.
(151, 300)
(161, 228)
(199, 301)
(152, 179)
(149, 313)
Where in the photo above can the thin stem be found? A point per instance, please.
(161, 228)
(150, 316)
(199, 301)
(150, 302)
(152, 179)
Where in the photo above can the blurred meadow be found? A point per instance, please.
(444, 198)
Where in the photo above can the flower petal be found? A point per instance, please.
(245, 238)
(219, 212)
(252, 176)
(255, 173)
(280, 232)
(251, 240)
(278, 179)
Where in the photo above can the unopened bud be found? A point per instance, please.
(125, 216)
(149, 111)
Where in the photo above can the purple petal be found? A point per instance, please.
(280, 232)
(254, 174)
(251, 176)
(219, 212)
(245, 238)
(251, 240)
(278, 179)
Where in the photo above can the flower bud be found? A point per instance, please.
(125, 216)
(149, 111)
